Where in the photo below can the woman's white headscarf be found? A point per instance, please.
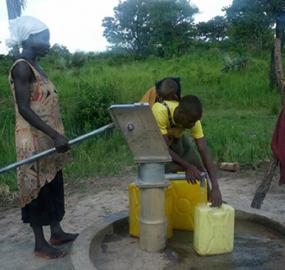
(22, 27)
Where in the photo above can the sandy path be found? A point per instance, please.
(99, 198)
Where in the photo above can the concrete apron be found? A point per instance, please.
(90, 243)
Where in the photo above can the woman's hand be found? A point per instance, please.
(61, 143)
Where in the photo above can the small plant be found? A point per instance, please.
(5, 63)
(232, 64)
(78, 59)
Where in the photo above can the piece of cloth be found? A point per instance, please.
(48, 207)
(184, 147)
(22, 27)
(278, 144)
(149, 97)
(160, 113)
(29, 140)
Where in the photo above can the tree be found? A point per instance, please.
(278, 75)
(128, 29)
(15, 8)
(277, 9)
(148, 26)
(59, 50)
(213, 30)
(171, 26)
(279, 14)
(251, 23)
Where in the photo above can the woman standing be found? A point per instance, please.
(38, 127)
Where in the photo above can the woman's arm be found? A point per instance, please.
(23, 78)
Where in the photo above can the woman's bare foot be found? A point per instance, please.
(46, 251)
(62, 238)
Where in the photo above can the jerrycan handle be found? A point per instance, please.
(203, 179)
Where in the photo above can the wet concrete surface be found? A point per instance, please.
(18, 255)
(256, 247)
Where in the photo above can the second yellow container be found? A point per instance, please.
(181, 198)
(185, 198)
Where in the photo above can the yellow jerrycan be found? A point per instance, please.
(186, 197)
(214, 229)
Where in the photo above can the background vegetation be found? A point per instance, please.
(219, 60)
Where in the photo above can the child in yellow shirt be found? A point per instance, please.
(173, 115)
(168, 88)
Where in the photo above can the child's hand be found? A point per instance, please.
(216, 197)
(192, 174)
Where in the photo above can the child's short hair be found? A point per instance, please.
(191, 105)
(168, 87)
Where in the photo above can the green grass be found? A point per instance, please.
(106, 155)
(240, 110)
(242, 136)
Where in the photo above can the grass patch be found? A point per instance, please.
(240, 110)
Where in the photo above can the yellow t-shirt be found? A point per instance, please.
(160, 113)
(149, 97)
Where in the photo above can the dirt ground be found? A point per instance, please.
(98, 197)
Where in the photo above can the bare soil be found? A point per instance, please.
(97, 197)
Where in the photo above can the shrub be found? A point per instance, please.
(5, 64)
(93, 103)
(237, 63)
(78, 59)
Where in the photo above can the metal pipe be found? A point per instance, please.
(151, 175)
(153, 222)
(182, 176)
(53, 150)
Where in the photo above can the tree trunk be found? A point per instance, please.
(276, 77)
(279, 68)
(265, 185)
(14, 8)
(273, 83)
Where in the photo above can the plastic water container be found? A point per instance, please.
(185, 198)
(214, 229)
(134, 210)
